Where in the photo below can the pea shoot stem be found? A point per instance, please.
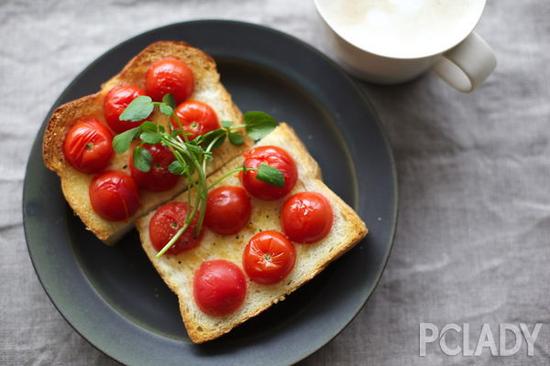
(179, 148)
(227, 175)
(175, 238)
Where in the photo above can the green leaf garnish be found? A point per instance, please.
(218, 135)
(258, 124)
(168, 99)
(149, 126)
(194, 148)
(122, 141)
(270, 175)
(142, 159)
(139, 109)
(150, 137)
(165, 109)
(177, 168)
(191, 157)
(236, 138)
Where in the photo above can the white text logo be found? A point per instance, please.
(506, 341)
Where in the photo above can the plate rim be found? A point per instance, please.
(337, 68)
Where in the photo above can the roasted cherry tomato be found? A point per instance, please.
(268, 257)
(306, 217)
(114, 196)
(166, 222)
(115, 103)
(197, 118)
(88, 146)
(219, 287)
(228, 209)
(277, 158)
(169, 76)
(158, 178)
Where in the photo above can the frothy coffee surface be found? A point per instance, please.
(402, 28)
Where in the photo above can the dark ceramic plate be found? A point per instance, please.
(113, 296)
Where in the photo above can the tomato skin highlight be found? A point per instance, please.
(306, 217)
(169, 76)
(228, 209)
(268, 257)
(158, 178)
(114, 195)
(166, 222)
(115, 102)
(219, 287)
(88, 145)
(275, 157)
(196, 118)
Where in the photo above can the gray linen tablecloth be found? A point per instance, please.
(473, 239)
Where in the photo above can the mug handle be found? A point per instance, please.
(468, 64)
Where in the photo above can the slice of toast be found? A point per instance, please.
(74, 184)
(177, 271)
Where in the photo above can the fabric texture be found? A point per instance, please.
(473, 239)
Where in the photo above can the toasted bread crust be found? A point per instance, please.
(75, 184)
(52, 145)
(309, 179)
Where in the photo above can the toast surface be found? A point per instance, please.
(75, 184)
(177, 271)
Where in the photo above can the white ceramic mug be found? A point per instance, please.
(464, 63)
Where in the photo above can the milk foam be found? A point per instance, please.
(402, 28)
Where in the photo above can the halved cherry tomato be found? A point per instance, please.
(166, 222)
(158, 178)
(88, 145)
(306, 217)
(197, 118)
(277, 158)
(114, 196)
(169, 76)
(228, 209)
(115, 103)
(219, 287)
(268, 257)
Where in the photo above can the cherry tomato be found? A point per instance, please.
(277, 158)
(88, 145)
(169, 76)
(197, 118)
(115, 103)
(158, 178)
(268, 257)
(219, 287)
(228, 209)
(166, 222)
(306, 217)
(114, 196)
